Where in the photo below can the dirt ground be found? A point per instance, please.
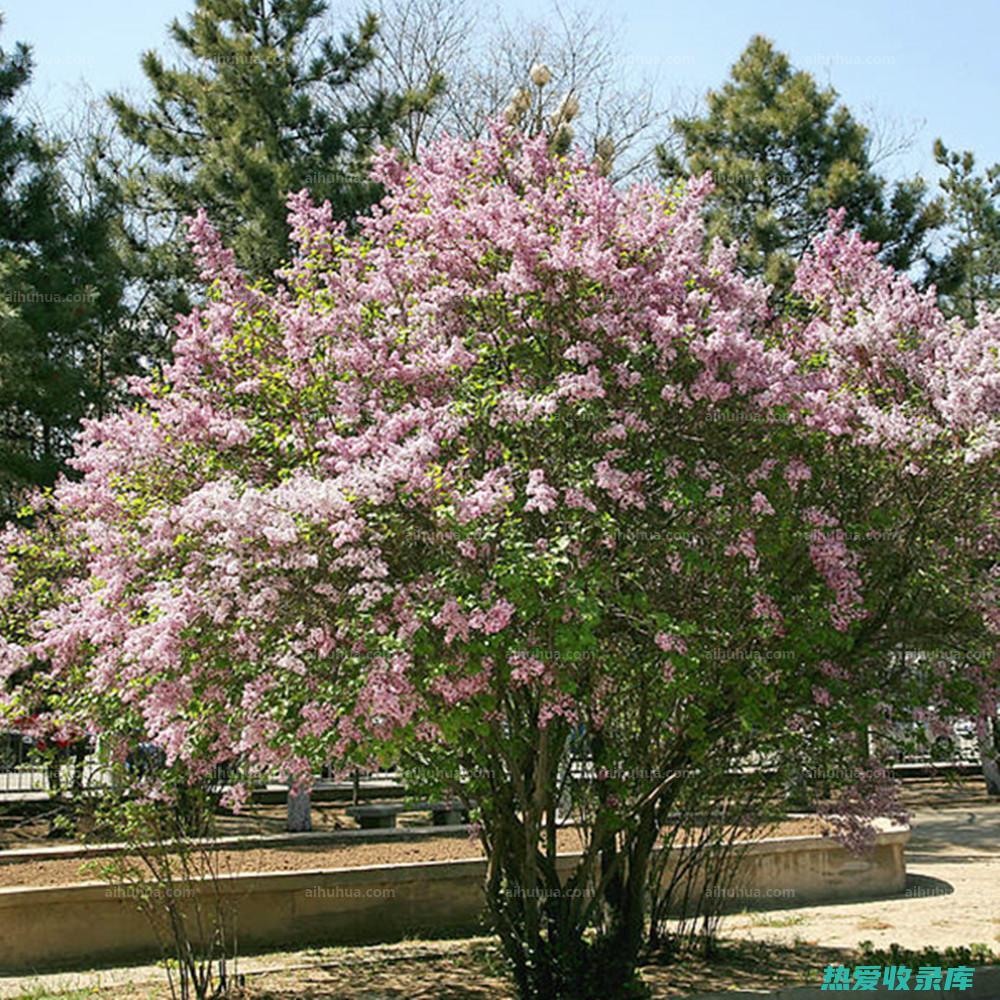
(952, 899)
(23, 831)
(476, 973)
(470, 969)
(310, 857)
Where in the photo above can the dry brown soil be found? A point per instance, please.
(311, 857)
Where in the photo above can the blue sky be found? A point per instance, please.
(929, 67)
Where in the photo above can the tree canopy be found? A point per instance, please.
(255, 108)
(968, 275)
(783, 152)
(61, 352)
(524, 484)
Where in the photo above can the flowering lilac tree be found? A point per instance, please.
(525, 486)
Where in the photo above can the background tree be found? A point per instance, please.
(480, 59)
(783, 152)
(968, 275)
(103, 163)
(968, 280)
(254, 109)
(63, 350)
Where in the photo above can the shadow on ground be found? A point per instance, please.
(922, 886)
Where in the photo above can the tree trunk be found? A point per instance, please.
(573, 939)
(299, 811)
(989, 757)
(80, 751)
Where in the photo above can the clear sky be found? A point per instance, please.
(929, 66)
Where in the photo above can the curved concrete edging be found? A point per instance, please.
(88, 923)
(803, 871)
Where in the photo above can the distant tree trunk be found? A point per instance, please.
(299, 810)
(989, 755)
(80, 751)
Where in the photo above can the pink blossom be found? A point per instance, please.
(821, 696)
(541, 496)
(494, 619)
(577, 499)
(455, 623)
(525, 669)
(797, 472)
(560, 707)
(766, 608)
(670, 643)
(490, 494)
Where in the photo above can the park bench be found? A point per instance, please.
(382, 816)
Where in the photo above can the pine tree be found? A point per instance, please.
(782, 152)
(255, 110)
(968, 275)
(62, 316)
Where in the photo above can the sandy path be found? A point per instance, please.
(952, 896)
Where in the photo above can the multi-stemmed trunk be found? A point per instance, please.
(570, 927)
(570, 934)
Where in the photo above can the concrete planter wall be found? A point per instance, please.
(90, 923)
(93, 922)
(803, 871)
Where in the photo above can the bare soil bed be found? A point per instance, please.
(311, 857)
